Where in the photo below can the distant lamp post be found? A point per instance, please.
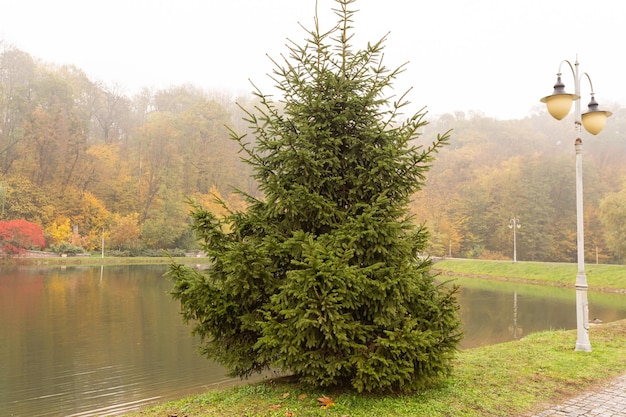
(593, 120)
(514, 224)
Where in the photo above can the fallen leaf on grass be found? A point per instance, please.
(289, 414)
(285, 395)
(326, 401)
(275, 406)
(302, 397)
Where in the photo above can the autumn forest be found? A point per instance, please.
(85, 162)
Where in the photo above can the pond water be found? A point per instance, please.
(495, 312)
(83, 341)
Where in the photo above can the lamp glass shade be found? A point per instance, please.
(559, 105)
(594, 121)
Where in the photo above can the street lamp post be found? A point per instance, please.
(593, 120)
(514, 224)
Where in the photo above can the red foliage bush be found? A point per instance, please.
(16, 236)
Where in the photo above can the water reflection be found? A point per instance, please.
(85, 341)
(77, 339)
(515, 329)
(494, 312)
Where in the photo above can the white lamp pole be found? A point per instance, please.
(514, 224)
(559, 104)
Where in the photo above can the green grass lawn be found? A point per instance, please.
(508, 379)
(599, 277)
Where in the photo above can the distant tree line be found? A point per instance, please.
(80, 159)
(495, 170)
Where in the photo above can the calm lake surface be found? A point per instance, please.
(83, 341)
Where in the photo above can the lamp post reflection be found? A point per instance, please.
(515, 329)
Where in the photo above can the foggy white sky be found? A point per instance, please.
(496, 57)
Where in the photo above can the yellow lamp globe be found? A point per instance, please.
(559, 105)
(559, 102)
(594, 120)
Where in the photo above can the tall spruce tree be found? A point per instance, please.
(320, 277)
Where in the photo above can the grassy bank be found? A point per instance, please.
(509, 379)
(600, 277)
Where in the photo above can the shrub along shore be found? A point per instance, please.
(97, 260)
(510, 379)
